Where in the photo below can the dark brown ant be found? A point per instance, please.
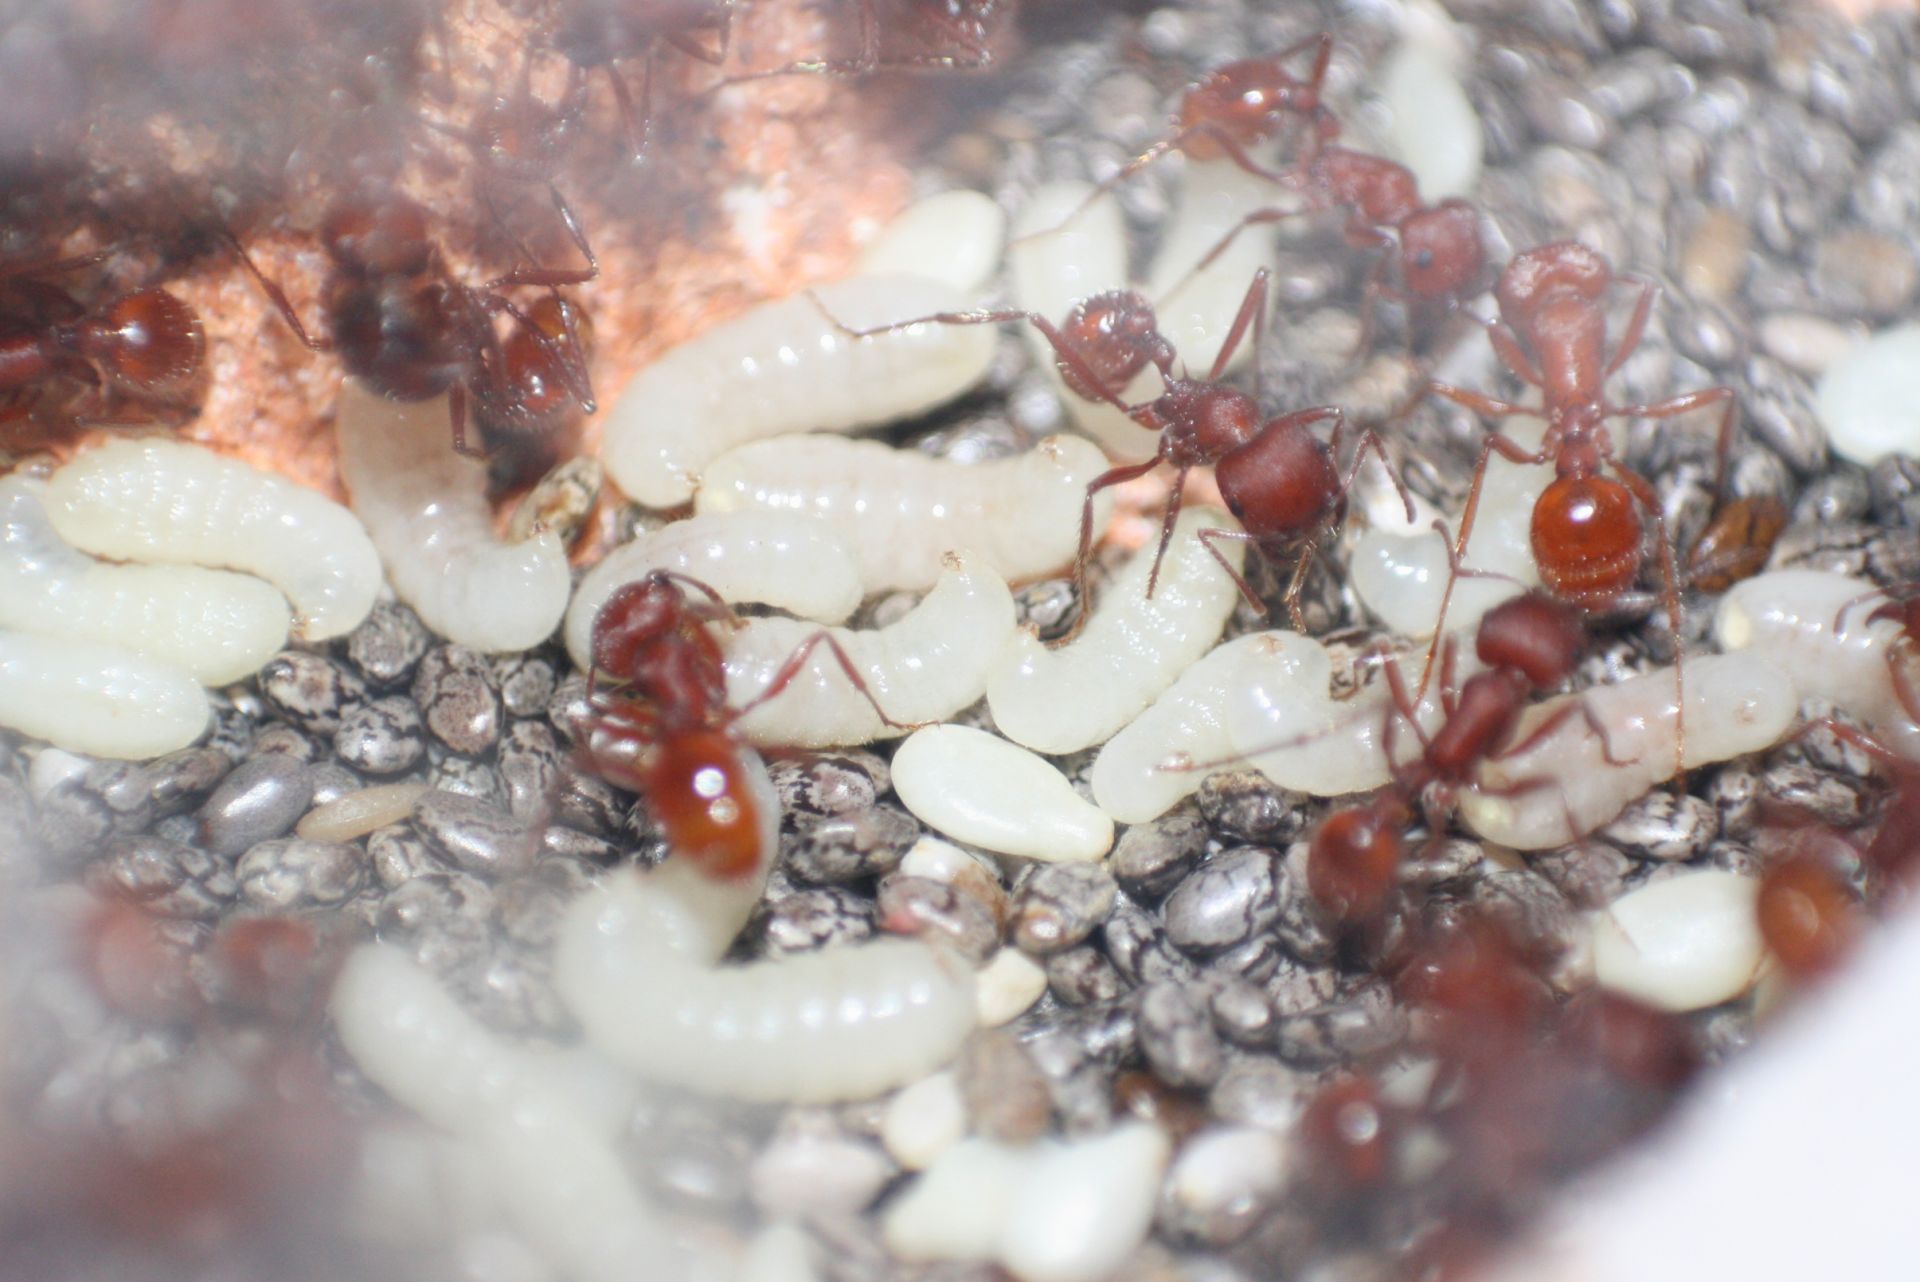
(407, 328)
(1736, 543)
(1529, 644)
(145, 347)
(666, 730)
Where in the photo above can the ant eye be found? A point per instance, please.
(1423, 258)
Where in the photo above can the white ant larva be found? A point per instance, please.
(1196, 308)
(152, 500)
(789, 562)
(954, 237)
(99, 699)
(215, 625)
(903, 511)
(1682, 943)
(978, 788)
(926, 667)
(1132, 648)
(426, 508)
(1813, 625)
(791, 366)
(1564, 787)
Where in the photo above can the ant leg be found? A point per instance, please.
(1208, 538)
(1221, 246)
(1369, 439)
(1670, 598)
(575, 232)
(796, 663)
(1636, 328)
(1253, 310)
(275, 295)
(1167, 519)
(1480, 403)
(1673, 405)
(1113, 476)
(1403, 706)
(1553, 721)
(457, 414)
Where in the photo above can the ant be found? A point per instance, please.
(407, 328)
(1530, 643)
(1280, 481)
(146, 345)
(667, 731)
(596, 34)
(1736, 543)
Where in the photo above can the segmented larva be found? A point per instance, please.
(978, 788)
(426, 508)
(154, 500)
(1196, 308)
(87, 696)
(903, 511)
(789, 366)
(779, 559)
(215, 625)
(926, 667)
(1132, 648)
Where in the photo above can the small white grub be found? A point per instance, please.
(840, 1024)
(1869, 399)
(1132, 648)
(1006, 987)
(929, 665)
(1432, 127)
(802, 1172)
(978, 788)
(1142, 772)
(1788, 617)
(1052, 1211)
(1683, 943)
(86, 696)
(787, 367)
(353, 816)
(554, 1164)
(1401, 576)
(155, 500)
(1736, 703)
(954, 237)
(767, 558)
(426, 507)
(903, 511)
(1196, 309)
(216, 625)
(1060, 258)
(924, 1120)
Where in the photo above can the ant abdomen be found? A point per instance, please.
(1541, 638)
(1588, 540)
(698, 793)
(147, 342)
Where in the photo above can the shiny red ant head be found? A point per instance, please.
(383, 237)
(1354, 859)
(1563, 267)
(1440, 252)
(1588, 540)
(147, 342)
(966, 23)
(636, 616)
(1116, 334)
(1539, 636)
(1247, 101)
(544, 375)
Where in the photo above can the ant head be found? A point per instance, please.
(1245, 101)
(634, 616)
(379, 237)
(967, 23)
(1588, 540)
(1562, 267)
(1535, 634)
(1440, 253)
(148, 342)
(1355, 857)
(1117, 335)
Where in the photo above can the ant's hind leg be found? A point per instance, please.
(796, 663)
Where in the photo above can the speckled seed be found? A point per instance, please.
(1861, 272)
(1151, 858)
(1240, 1010)
(382, 737)
(291, 873)
(282, 740)
(530, 768)
(473, 835)
(938, 910)
(526, 682)
(849, 846)
(1662, 826)
(805, 921)
(385, 648)
(311, 690)
(262, 798)
(454, 688)
(165, 877)
(464, 776)
(1140, 949)
(180, 781)
(569, 709)
(1177, 1036)
(1359, 1018)
(1083, 976)
(1713, 262)
(80, 812)
(1801, 789)
(398, 854)
(1232, 896)
(1244, 805)
(1060, 905)
(829, 783)
(1685, 943)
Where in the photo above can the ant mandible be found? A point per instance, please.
(146, 345)
(407, 328)
(667, 732)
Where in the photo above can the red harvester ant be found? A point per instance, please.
(409, 330)
(146, 346)
(666, 731)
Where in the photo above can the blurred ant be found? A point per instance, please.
(597, 34)
(1530, 644)
(145, 346)
(901, 37)
(666, 730)
(407, 328)
(1280, 481)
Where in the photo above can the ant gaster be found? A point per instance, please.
(666, 730)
